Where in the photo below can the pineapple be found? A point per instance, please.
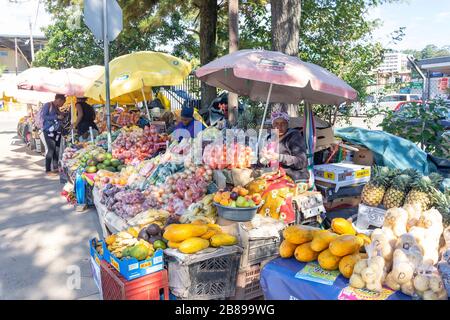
(420, 192)
(395, 195)
(441, 201)
(373, 192)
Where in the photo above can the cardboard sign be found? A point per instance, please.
(313, 272)
(350, 293)
(369, 216)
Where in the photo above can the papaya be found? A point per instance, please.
(193, 245)
(304, 253)
(322, 239)
(342, 226)
(344, 245)
(299, 234)
(214, 226)
(173, 245)
(287, 249)
(181, 232)
(198, 222)
(365, 238)
(328, 261)
(222, 239)
(209, 234)
(347, 264)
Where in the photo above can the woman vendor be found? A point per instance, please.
(291, 153)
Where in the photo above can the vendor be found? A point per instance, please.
(85, 118)
(291, 149)
(188, 123)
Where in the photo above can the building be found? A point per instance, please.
(15, 52)
(394, 62)
(437, 72)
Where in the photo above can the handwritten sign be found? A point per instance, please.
(369, 216)
(313, 272)
(350, 293)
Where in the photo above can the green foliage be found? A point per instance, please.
(430, 51)
(421, 124)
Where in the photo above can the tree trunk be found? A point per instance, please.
(208, 50)
(233, 34)
(286, 34)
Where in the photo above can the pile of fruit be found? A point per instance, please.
(334, 249)
(203, 210)
(151, 216)
(238, 198)
(135, 145)
(125, 244)
(79, 155)
(105, 177)
(102, 161)
(126, 118)
(394, 188)
(196, 236)
(221, 156)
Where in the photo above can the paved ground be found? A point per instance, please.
(44, 251)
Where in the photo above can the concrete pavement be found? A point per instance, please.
(44, 251)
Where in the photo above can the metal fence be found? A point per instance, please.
(191, 85)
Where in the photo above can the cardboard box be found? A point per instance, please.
(363, 157)
(324, 132)
(131, 268)
(95, 260)
(342, 174)
(329, 193)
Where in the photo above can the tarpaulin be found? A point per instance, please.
(279, 282)
(389, 150)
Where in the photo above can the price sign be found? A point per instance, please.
(369, 216)
(362, 173)
(328, 175)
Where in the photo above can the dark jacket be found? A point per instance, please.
(292, 150)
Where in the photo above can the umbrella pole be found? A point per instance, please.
(264, 116)
(145, 101)
(71, 120)
(310, 136)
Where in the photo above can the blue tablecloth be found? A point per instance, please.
(278, 282)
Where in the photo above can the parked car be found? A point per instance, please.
(401, 111)
(390, 101)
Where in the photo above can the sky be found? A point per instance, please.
(426, 21)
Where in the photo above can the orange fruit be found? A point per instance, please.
(224, 202)
(243, 192)
(217, 197)
(226, 195)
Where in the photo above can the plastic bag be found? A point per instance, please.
(369, 273)
(428, 284)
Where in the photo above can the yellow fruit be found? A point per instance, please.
(304, 253)
(217, 197)
(226, 195)
(181, 232)
(209, 234)
(214, 226)
(287, 249)
(173, 245)
(198, 222)
(133, 231)
(322, 239)
(328, 261)
(347, 264)
(110, 239)
(344, 245)
(342, 226)
(365, 238)
(224, 202)
(299, 234)
(222, 239)
(193, 245)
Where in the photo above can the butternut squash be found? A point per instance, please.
(193, 245)
(287, 249)
(344, 245)
(299, 234)
(222, 239)
(347, 264)
(181, 232)
(322, 239)
(342, 226)
(328, 261)
(304, 253)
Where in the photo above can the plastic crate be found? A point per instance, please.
(154, 286)
(247, 284)
(204, 276)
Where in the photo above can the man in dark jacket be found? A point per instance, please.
(291, 149)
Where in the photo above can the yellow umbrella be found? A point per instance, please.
(133, 75)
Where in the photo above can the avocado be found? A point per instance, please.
(143, 235)
(115, 163)
(112, 169)
(101, 166)
(107, 162)
(119, 168)
(91, 169)
(153, 230)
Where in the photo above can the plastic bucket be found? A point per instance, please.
(236, 214)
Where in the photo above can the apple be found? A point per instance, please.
(233, 204)
(257, 198)
(240, 202)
